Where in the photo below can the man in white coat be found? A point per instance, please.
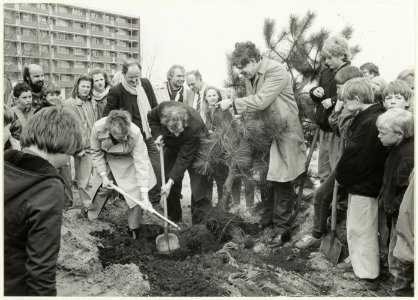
(269, 89)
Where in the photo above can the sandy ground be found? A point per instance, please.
(99, 259)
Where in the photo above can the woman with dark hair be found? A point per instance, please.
(119, 153)
(101, 87)
(80, 103)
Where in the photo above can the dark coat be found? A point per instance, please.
(33, 202)
(398, 167)
(362, 163)
(185, 145)
(119, 98)
(329, 84)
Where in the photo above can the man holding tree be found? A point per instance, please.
(269, 89)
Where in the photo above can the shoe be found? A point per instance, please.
(369, 284)
(280, 239)
(308, 241)
(133, 233)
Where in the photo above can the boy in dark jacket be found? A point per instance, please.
(396, 129)
(360, 171)
(33, 201)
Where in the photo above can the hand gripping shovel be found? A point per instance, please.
(150, 209)
(167, 242)
(331, 245)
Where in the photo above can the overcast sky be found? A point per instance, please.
(197, 35)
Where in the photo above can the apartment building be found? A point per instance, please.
(66, 40)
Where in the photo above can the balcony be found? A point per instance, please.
(78, 17)
(64, 56)
(31, 38)
(28, 23)
(120, 59)
(80, 57)
(123, 24)
(122, 36)
(98, 32)
(27, 7)
(97, 20)
(64, 42)
(80, 44)
(62, 14)
(97, 58)
(43, 25)
(31, 52)
(63, 70)
(64, 28)
(44, 40)
(80, 30)
(12, 51)
(12, 68)
(10, 36)
(10, 5)
(109, 47)
(98, 46)
(107, 58)
(10, 21)
(79, 71)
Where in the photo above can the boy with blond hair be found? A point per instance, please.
(396, 130)
(360, 171)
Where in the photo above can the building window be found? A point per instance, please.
(63, 50)
(79, 39)
(80, 25)
(43, 49)
(79, 65)
(43, 20)
(65, 64)
(78, 12)
(65, 77)
(27, 32)
(26, 17)
(79, 52)
(62, 9)
(43, 6)
(43, 34)
(61, 23)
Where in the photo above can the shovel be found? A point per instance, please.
(167, 242)
(331, 245)
(150, 209)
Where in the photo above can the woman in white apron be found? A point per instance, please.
(119, 154)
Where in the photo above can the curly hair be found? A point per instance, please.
(84, 77)
(21, 87)
(243, 53)
(175, 117)
(118, 120)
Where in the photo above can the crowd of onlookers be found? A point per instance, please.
(116, 129)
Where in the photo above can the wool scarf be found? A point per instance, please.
(97, 96)
(143, 104)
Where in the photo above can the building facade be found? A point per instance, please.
(66, 40)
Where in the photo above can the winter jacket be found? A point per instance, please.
(33, 202)
(86, 114)
(329, 84)
(398, 167)
(361, 166)
(120, 98)
(186, 144)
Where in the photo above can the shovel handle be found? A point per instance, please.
(151, 210)
(335, 195)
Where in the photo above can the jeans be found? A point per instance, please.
(83, 168)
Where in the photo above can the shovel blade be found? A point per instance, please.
(331, 248)
(167, 245)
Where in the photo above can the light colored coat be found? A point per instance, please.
(161, 93)
(272, 93)
(128, 161)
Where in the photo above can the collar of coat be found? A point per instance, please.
(29, 161)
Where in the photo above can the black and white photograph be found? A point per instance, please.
(208, 148)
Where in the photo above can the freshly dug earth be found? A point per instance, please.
(224, 256)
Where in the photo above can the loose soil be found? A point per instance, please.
(226, 255)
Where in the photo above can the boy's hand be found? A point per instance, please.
(327, 103)
(318, 92)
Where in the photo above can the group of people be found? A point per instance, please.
(115, 132)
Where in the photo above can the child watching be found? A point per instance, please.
(9, 118)
(397, 94)
(408, 76)
(371, 71)
(336, 53)
(360, 170)
(23, 108)
(323, 195)
(33, 200)
(396, 129)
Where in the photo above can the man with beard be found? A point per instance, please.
(34, 76)
(174, 89)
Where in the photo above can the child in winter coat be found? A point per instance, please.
(396, 129)
(33, 201)
(23, 108)
(360, 171)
